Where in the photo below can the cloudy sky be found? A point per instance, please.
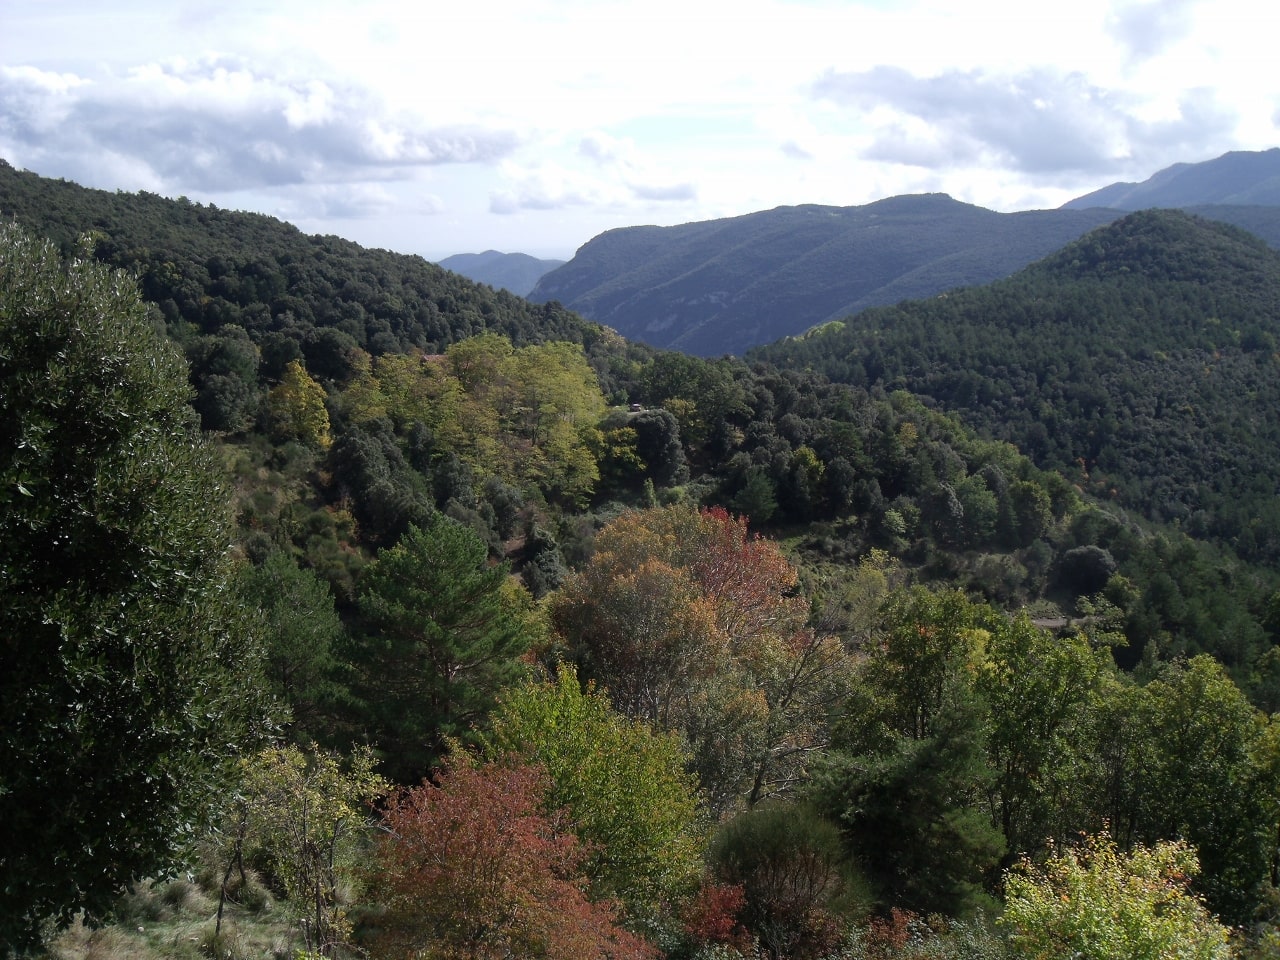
(533, 125)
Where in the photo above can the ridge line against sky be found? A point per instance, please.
(534, 125)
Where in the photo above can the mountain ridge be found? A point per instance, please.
(1238, 178)
(714, 287)
(515, 272)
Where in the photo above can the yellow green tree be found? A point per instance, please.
(623, 785)
(305, 813)
(1094, 901)
(297, 408)
(529, 416)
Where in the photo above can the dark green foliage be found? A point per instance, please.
(912, 818)
(1085, 570)
(128, 677)
(658, 444)
(908, 773)
(387, 496)
(301, 632)
(544, 568)
(444, 635)
(224, 371)
(207, 268)
(1134, 361)
(795, 879)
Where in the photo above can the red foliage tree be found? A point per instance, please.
(711, 917)
(471, 868)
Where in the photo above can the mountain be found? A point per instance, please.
(1241, 179)
(208, 269)
(723, 286)
(1140, 360)
(517, 272)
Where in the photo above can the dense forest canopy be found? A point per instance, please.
(1140, 361)
(499, 548)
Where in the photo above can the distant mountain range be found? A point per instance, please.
(724, 286)
(515, 272)
(1240, 178)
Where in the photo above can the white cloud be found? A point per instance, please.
(477, 125)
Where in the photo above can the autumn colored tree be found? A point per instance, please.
(474, 867)
(1095, 901)
(692, 623)
(623, 786)
(297, 410)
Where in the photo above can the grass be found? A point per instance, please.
(177, 920)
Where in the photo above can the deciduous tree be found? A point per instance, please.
(305, 812)
(1094, 901)
(297, 408)
(623, 786)
(473, 867)
(689, 621)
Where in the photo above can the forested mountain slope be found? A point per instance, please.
(723, 286)
(1141, 360)
(210, 268)
(521, 555)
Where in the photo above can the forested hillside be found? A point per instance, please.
(1140, 361)
(495, 546)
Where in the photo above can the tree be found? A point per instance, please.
(447, 633)
(692, 623)
(623, 786)
(1040, 691)
(297, 408)
(305, 813)
(788, 862)
(1209, 774)
(129, 676)
(473, 867)
(301, 631)
(1093, 901)
(908, 775)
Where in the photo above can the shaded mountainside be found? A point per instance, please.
(516, 272)
(1239, 178)
(1140, 359)
(723, 286)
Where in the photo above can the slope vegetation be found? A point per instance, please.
(1140, 359)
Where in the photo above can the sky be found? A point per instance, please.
(534, 125)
